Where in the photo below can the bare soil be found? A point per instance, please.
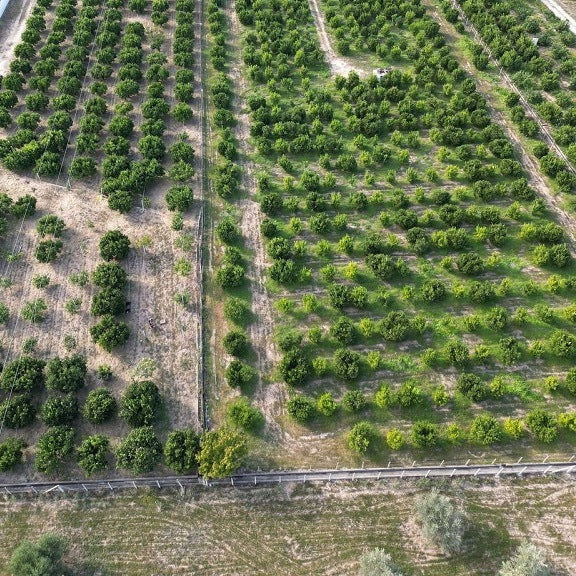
(338, 65)
(269, 396)
(12, 24)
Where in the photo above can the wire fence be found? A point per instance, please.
(519, 469)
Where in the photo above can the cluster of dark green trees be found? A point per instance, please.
(33, 146)
(110, 300)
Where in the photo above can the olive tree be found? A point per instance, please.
(443, 524)
(529, 560)
(377, 563)
(41, 558)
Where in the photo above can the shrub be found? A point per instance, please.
(395, 439)
(35, 310)
(82, 167)
(93, 454)
(59, 410)
(11, 453)
(470, 263)
(50, 225)
(66, 374)
(361, 436)
(181, 450)
(409, 395)
(347, 364)
(108, 301)
(326, 405)
(48, 250)
(140, 451)
(385, 397)
(114, 245)
(562, 344)
(239, 374)
(425, 434)
(301, 408)
(230, 276)
(472, 386)
(237, 311)
(222, 452)
(433, 291)
(485, 430)
(529, 560)
(235, 343)
(100, 406)
(377, 563)
(179, 198)
(442, 523)
(110, 275)
(42, 558)
(109, 333)
(543, 425)
(243, 414)
(514, 427)
(17, 411)
(354, 401)
(22, 375)
(53, 447)
(140, 403)
(294, 368)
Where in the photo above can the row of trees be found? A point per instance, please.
(217, 453)
(110, 300)
(26, 149)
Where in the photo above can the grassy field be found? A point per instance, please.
(294, 530)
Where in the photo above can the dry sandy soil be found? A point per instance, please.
(12, 24)
(173, 344)
(151, 287)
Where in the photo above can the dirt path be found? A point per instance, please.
(529, 163)
(12, 24)
(269, 396)
(337, 64)
(563, 10)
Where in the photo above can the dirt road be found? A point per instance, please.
(563, 10)
(337, 64)
(12, 23)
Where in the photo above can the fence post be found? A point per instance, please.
(85, 489)
(110, 486)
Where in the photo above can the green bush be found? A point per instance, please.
(92, 454)
(140, 403)
(100, 406)
(354, 401)
(140, 451)
(11, 453)
(239, 374)
(181, 451)
(109, 333)
(53, 448)
(17, 411)
(114, 245)
(486, 430)
(59, 410)
(326, 405)
(361, 437)
(66, 374)
(241, 413)
(235, 343)
(301, 408)
(41, 558)
(425, 434)
(22, 375)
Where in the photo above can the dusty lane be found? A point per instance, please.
(12, 23)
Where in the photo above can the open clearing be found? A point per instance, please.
(295, 530)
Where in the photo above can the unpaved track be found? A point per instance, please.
(12, 24)
(337, 64)
(269, 396)
(563, 11)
